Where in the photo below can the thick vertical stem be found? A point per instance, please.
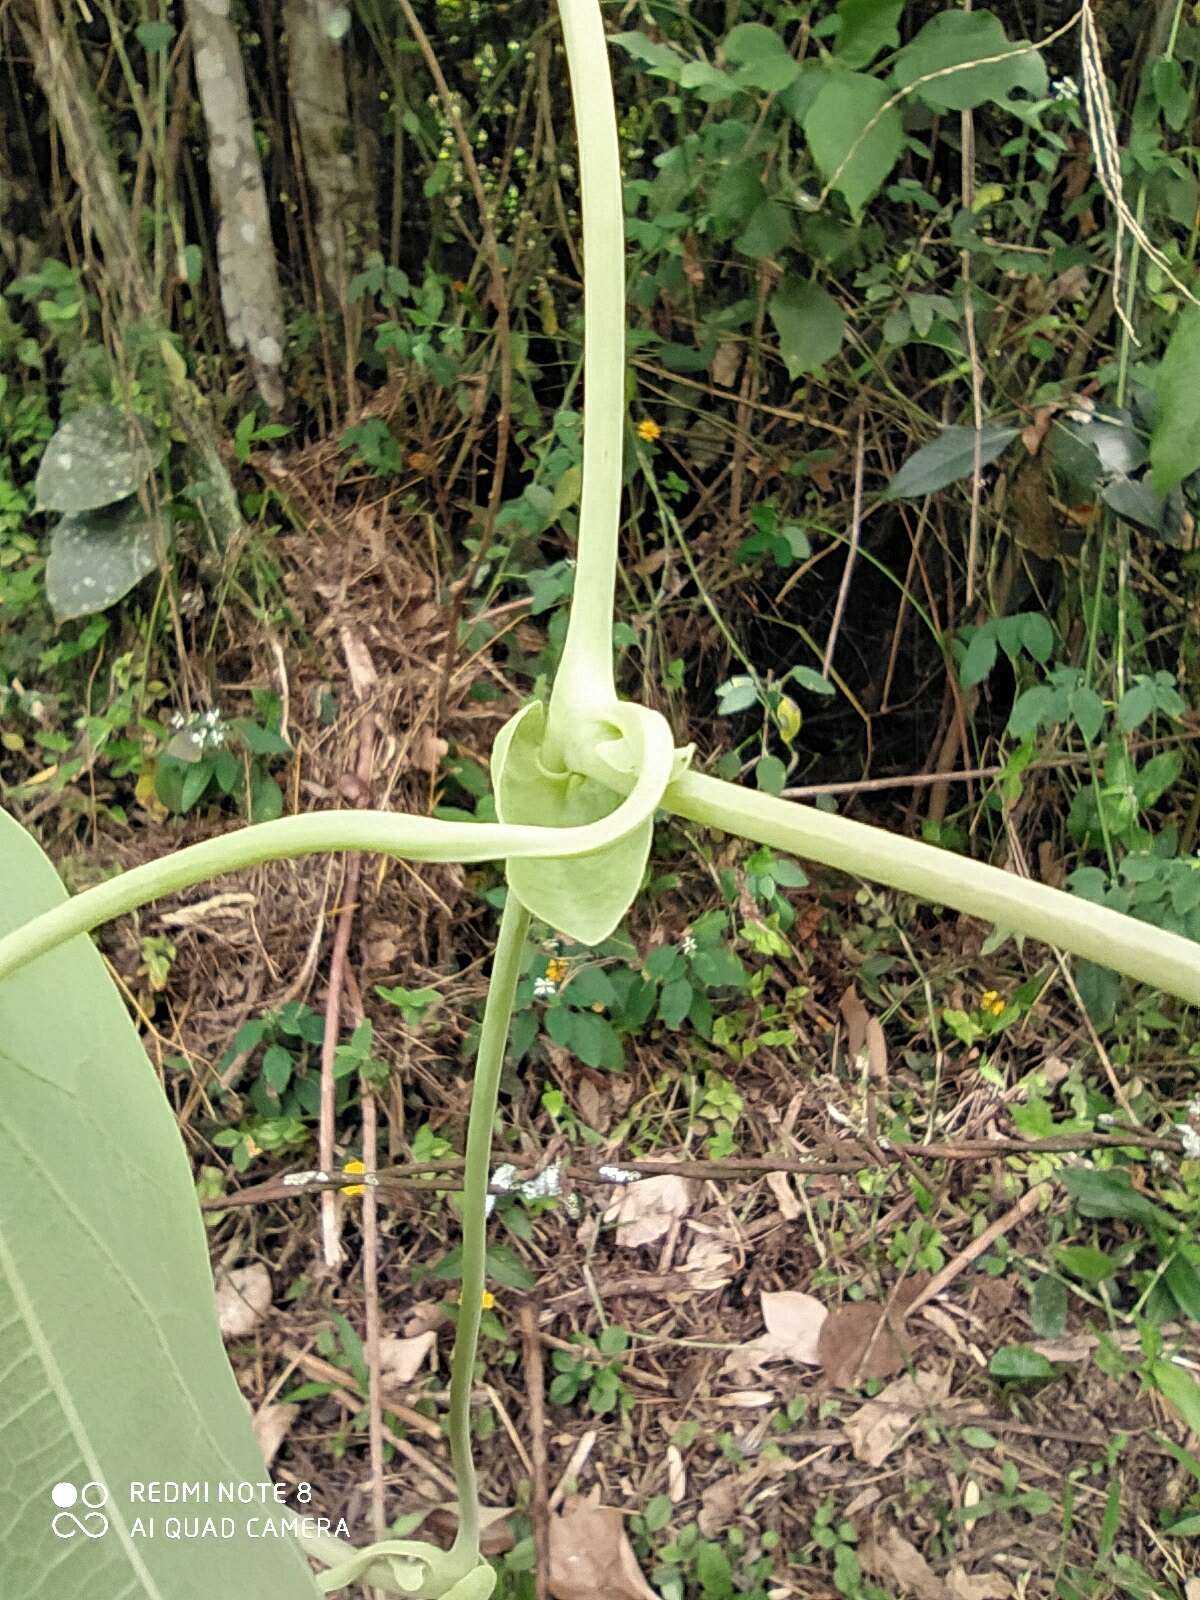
(514, 924)
(585, 677)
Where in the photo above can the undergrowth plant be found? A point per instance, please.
(104, 1289)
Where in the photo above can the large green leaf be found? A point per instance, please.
(1175, 442)
(98, 456)
(854, 141)
(97, 557)
(114, 1372)
(940, 58)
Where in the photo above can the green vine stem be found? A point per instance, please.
(384, 832)
(1163, 960)
(497, 1014)
(584, 686)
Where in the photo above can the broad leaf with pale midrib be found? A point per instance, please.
(114, 1369)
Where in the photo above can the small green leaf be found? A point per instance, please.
(979, 659)
(266, 798)
(1171, 92)
(507, 1269)
(1085, 1261)
(1178, 1385)
(866, 28)
(1019, 1361)
(770, 774)
(1087, 710)
(812, 681)
(98, 456)
(1183, 1281)
(951, 456)
(809, 322)
(675, 1002)
(594, 1040)
(737, 694)
(659, 60)
(1099, 989)
(761, 58)
(277, 1067)
(154, 35)
(1175, 440)
(195, 782)
(854, 141)
(768, 231)
(1048, 1307)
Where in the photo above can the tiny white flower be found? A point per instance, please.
(1064, 89)
(543, 989)
(688, 945)
(1190, 1140)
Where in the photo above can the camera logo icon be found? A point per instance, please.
(89, 1520)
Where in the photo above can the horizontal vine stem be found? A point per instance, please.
(320, 833)
(1163, 960)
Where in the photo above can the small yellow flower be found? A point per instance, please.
(353, 1167)
(648, 430)
(557, 969)
(487, 1301)
(991, 1002)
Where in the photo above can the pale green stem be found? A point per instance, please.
(584, 682)
(1163, 960)
(497, 1013)
(385, 832)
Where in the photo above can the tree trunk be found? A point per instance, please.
(317, 86)
(245, 250)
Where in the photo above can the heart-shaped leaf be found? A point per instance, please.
(583, 896)
(97, 557)
(98, 456)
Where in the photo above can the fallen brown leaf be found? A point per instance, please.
(794, 1322)
(590, 1557)
(272, 1424)
(857, 1343)
(785, 1196)
(243, 1296)
(889, 1555)
(709, 1263)
(645, 1210)
(401, 1359)
(721, 1501)
(1070, 1347)
(961, 1585)
(877, 1427)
